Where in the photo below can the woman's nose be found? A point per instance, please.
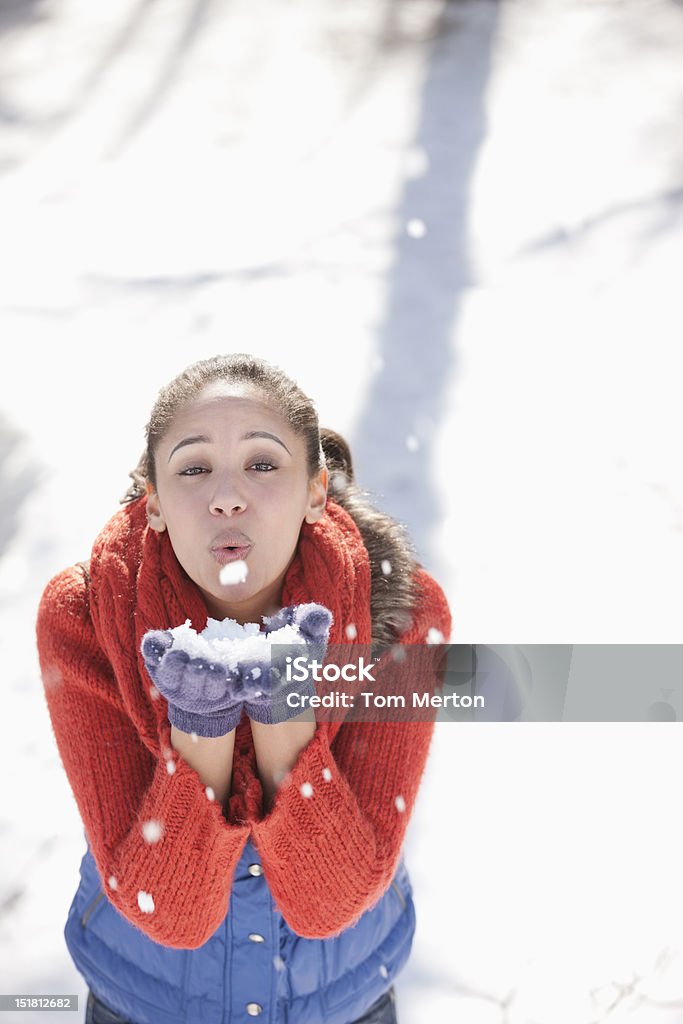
(227, 498)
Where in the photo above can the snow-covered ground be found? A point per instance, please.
(457, 225)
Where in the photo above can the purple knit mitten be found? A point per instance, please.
(204, 696)
(265, 687)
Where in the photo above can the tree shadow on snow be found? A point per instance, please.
(406, 402)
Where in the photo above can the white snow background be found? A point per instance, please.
(458, 226)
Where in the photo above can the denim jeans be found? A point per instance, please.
(381, 1012)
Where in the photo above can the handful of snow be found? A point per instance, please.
(233, 645)
(227, 642)
(228, 663)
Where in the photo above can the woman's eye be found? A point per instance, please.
(263, 467)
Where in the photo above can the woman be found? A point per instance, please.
(254, 872)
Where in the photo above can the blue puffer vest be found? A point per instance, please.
(253, 966)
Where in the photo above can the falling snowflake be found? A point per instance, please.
(400, 804)
(278, 963)
(434, 636)
(52, 677)
(154, 693)
(327, 775)
(112, 883)
(152, 831)
(306, 789)
(256, 672)
(339, 481)
(412, 443)
(416, 228)
(386, 567)
(145, 902)
(383, 971)
(210, 793)
(351, 631)
(234, 572)
(416, 162)
(194, 737)
(170, 767)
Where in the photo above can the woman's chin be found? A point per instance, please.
(218, 603)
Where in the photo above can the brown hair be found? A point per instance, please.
(323, 447)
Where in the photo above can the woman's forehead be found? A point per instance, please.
(221, 413)
(228, 403)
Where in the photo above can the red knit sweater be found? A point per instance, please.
(326, 858)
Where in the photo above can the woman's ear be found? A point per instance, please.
(317, 497)
(155, 516)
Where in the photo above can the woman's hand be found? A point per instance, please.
(204, 696)
(266, 686)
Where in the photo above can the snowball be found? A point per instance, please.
(416, 228)
(234, 572)
(306, 789)
(400, 804)
(145, 902)
(434, 636)
(112, 883)
(152, 831)
(386, 567)
(383, 971)
(327, 775)
(351, 631)
(412, 443)
(170, 767)
(210, 793)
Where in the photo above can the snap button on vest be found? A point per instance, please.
(253, 1009)
(255, 870)
(255, 937)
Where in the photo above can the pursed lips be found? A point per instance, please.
(230, 553)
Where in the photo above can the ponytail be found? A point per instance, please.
(386, 540)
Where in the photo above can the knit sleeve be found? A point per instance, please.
(331, 844)
(164, 851)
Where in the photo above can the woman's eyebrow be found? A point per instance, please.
(202, 438)
(264, 433)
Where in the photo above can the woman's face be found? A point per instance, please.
(235, 481)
